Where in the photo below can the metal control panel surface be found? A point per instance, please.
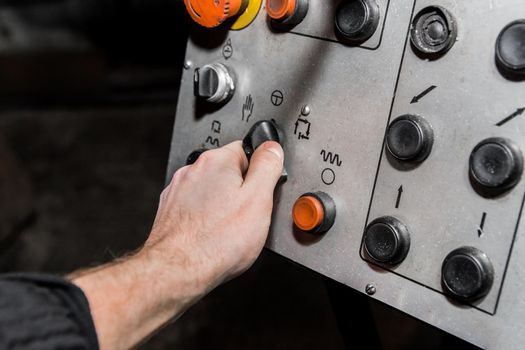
(334, 103)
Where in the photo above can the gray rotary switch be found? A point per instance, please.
(214, 83)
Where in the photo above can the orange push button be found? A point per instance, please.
(286, 13)
(212, 13)
(280, 9)
(314, 212)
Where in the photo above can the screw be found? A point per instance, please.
(306, 110)
(370, 289)
(188, 64)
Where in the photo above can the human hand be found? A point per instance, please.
(216, 213)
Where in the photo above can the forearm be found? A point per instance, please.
(132, 298)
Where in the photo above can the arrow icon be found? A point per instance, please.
(416, 99)
(482, 224)
(399, 194)
(518, 112)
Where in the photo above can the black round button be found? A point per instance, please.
(496, 164)
(434, 31)
(409, 138)
(192, 158)
(357, 20)
(510, 48)
(467, 274)
(387, 240)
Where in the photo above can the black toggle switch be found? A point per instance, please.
(387, 240)
(409, 138)
(357, 20)
(496, 165)
(467, 274)
(510, 50)
(260, 132)
(434, 31)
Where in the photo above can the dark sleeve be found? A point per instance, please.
(44, 312)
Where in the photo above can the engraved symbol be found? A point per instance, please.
(399, 194)
(332, 158)
(277, 98)
(482, 224)
(247, 108)
(227, 50)
(216, 127)
(417, 98)
(518, 112)
(302, 129)
(328, 176)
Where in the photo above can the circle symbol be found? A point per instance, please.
(328, 176)
(277, 98)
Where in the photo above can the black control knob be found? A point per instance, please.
(467, 274)
(409, 138)
(496, 165)
(357, 20)
(214, 83)
(193, 156)
(260, 132)
(434, 31)
(387, 240)
(510, 49)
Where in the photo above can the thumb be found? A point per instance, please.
(266, 167)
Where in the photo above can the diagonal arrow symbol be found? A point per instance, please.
(518, 112)
(417, 98)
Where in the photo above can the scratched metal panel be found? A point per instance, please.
(350, 91)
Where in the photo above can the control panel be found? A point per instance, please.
(403, 125)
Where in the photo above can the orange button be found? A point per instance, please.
(212, 13)
(308, 213)
(280, 9)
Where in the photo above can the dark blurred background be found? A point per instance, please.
(88, 90)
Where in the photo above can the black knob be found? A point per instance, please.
(409, 138)
(357, 20)
(510, 49)
(467, 274)
(260, 132)
(214, 83)
(193, 156)
(434, 31)
(387, 240)
(496, 165)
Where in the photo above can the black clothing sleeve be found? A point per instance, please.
(44, 312)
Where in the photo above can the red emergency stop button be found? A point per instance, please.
(314, 212)
(212, 13)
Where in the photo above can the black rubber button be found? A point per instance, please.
(467, 274)
(192, 158)
(387, 240)
(496, 164)
(510, 48)
(434, 31)
(357, 20)
(409, 138)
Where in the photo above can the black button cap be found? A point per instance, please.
(192, 158)
(357, 20)
(510, 48)
(496, 164)
(467, 274)
(434, 31)
(409, 138)
(387, 240)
